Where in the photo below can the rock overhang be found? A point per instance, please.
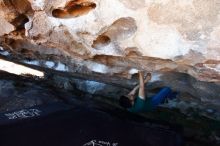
(116, 36)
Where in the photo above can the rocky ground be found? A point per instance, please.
(200, 123)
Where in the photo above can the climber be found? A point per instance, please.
(141, 103)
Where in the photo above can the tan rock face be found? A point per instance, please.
(5, 24)
(113, 37)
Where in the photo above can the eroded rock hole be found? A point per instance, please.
(73, 9)
(101, 41)
(19, 22)
(120, 30)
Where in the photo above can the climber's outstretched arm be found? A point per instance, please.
(141, 85)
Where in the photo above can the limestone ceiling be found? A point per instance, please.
(113, 37)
